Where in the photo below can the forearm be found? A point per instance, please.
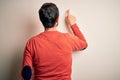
(77, 32)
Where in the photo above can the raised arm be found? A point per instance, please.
(79, 43)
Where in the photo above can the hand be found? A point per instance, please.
(70, 19)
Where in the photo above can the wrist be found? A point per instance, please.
(73, 24)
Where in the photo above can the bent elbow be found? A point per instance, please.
(85, 46)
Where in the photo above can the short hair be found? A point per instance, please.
(48, 14)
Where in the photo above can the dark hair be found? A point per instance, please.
(48, 14)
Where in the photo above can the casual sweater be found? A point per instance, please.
(50, 53)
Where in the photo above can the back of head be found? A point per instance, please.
(48, 14)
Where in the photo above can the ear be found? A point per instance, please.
(57, 20)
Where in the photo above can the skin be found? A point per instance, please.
(69, 19)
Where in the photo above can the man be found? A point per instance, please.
(50, 52)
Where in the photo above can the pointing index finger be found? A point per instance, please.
(68, 12)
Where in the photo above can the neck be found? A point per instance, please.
(52, 28)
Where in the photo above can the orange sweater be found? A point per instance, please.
(50, 53)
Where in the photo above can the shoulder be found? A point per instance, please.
(33, 38)
(69, 35)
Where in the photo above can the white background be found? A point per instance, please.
(99, 20)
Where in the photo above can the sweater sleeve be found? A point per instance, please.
(27, 61)
(77, 40)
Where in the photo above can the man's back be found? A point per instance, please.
(52, 56)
